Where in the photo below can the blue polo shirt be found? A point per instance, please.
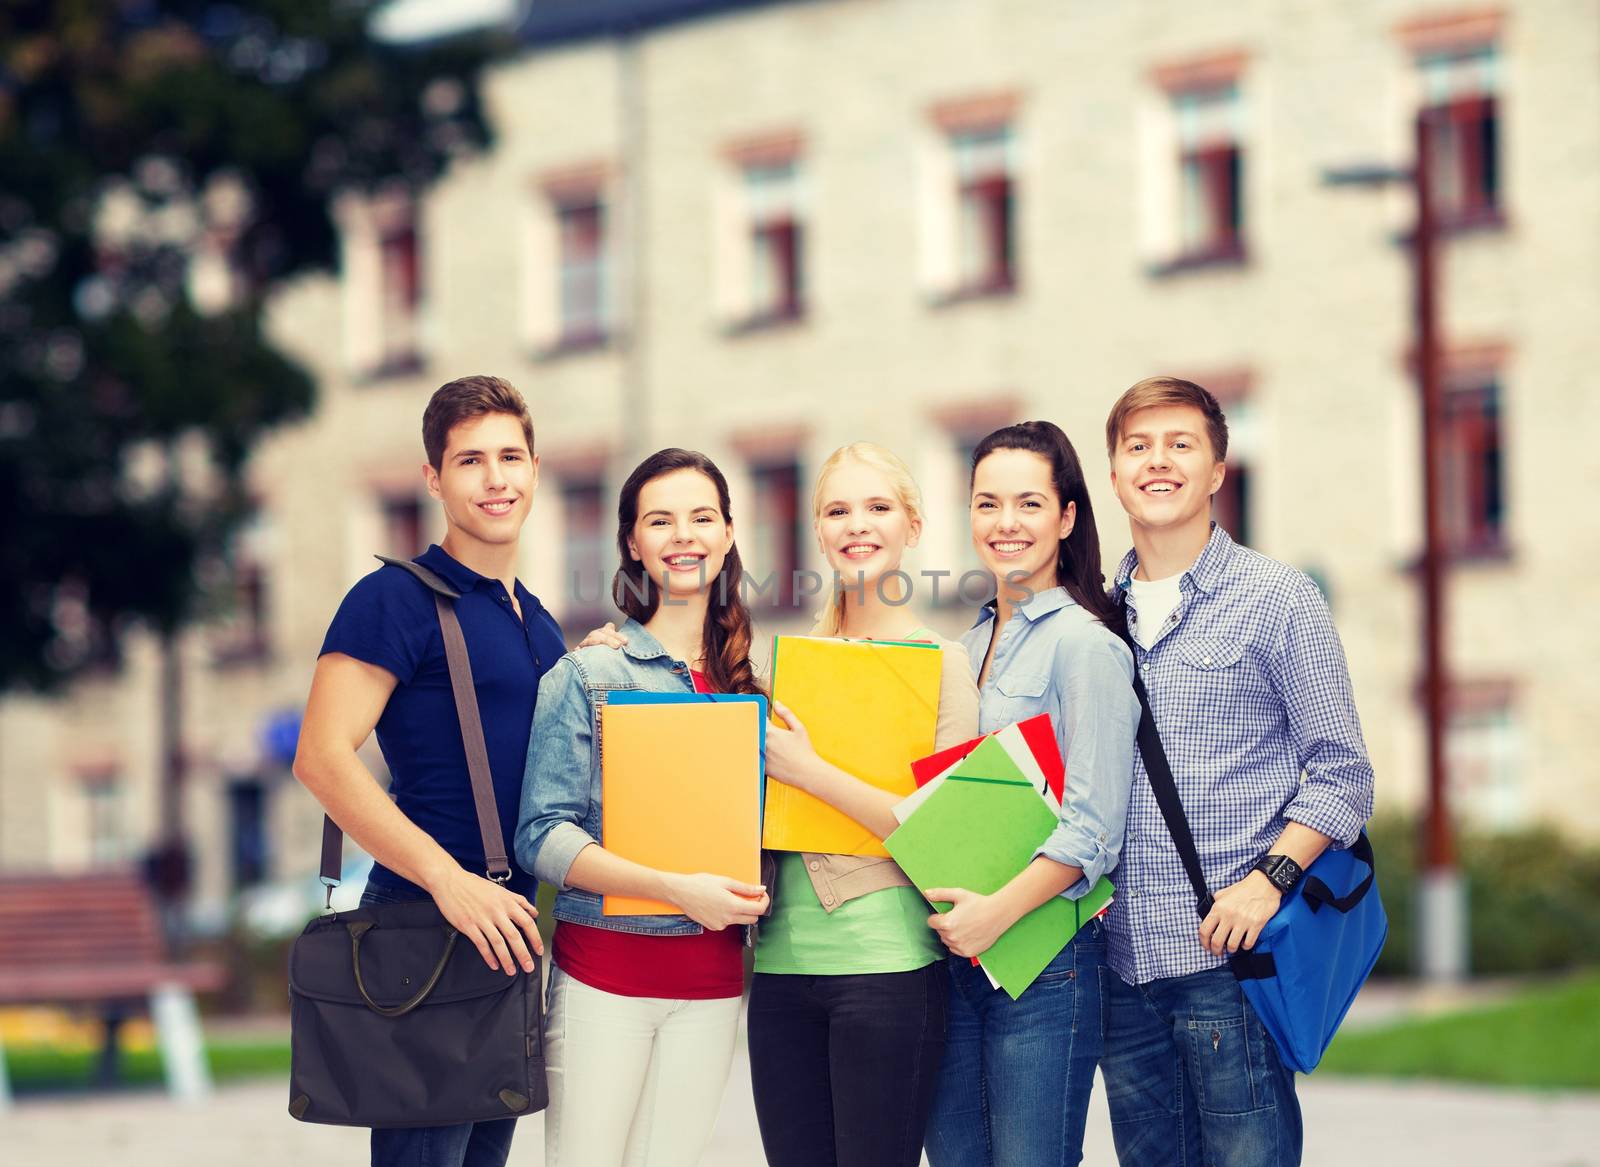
(388, 619)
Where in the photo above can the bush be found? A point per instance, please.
(1531, 895)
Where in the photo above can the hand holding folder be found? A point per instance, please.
(681, 789)
(976, 827)
(870, 708)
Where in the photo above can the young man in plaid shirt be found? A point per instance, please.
(1251, 694)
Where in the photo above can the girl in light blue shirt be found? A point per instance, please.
(1014, 1088)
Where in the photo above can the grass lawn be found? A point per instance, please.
(1549, 1036)
(47, 1068)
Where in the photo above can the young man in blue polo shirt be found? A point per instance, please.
(383, 668)
(1251, 694)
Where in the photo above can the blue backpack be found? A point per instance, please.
(1313, 956)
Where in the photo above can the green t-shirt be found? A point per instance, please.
(881, 932)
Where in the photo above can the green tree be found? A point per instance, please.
(162, 166)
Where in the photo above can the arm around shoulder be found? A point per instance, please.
(556, 778)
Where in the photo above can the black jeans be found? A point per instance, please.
(845, 1067)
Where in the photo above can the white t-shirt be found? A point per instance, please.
(1155, 601)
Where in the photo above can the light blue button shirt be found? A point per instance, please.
(1053, 657)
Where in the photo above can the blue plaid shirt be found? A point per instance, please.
(1251, 695)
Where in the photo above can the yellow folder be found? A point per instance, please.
(871, 709)
(681, 792)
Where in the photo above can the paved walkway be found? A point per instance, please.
(1368, 1124)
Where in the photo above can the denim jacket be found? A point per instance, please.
(560, 811)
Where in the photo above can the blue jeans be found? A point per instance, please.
(1014, 1089)
(1193, 1078)
(467, 1144)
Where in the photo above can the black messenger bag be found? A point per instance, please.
(396, 1021)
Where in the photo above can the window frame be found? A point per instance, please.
(1456, 63)
(991, 193)
(1472, 450)
(778, 232)
(572, 329)
(763, 470)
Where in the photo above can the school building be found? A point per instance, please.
(764, 229)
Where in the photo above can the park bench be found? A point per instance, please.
(96, 939)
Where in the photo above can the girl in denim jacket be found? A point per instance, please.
(642, 1011)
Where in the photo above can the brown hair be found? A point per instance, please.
(464, 399)
(1154, 391)
(726, 634)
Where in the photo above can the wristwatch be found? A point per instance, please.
(1283, 871)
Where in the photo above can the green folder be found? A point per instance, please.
(977, 833)
(991, 762)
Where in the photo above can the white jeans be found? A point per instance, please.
(634, 1081)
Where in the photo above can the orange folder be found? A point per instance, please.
(871, 708)
(681, 792)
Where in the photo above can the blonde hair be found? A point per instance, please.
(830, 621)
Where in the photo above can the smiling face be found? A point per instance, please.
(680, 537)
(1164, 471)
(486, 479)
(1017, 518)
(862, 524)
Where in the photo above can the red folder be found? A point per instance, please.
(1038, 732)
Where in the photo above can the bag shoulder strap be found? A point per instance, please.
(466, 699)
(1165, 788)
(429, 579)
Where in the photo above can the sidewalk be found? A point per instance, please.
(1375, 1124)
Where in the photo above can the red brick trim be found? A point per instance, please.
(1209, 72)
(578, 181)
(975, 113)
(976, 417)
(770, 149)
(772, 443)
(1447, 31)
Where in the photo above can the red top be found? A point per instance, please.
(681, 968)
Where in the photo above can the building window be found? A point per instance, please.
(771, 191)
(1232, 506)
(247, 833)
(382, 282)
(581, 261)
(1461, 110)
(587, 586)
(1484, 756)
(402, 525)
(1210, 174)
(401, 270)
(985, 209)
(102, 794)
(967, 560)
(774, 549)
(1472, 475)
(243, 631)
